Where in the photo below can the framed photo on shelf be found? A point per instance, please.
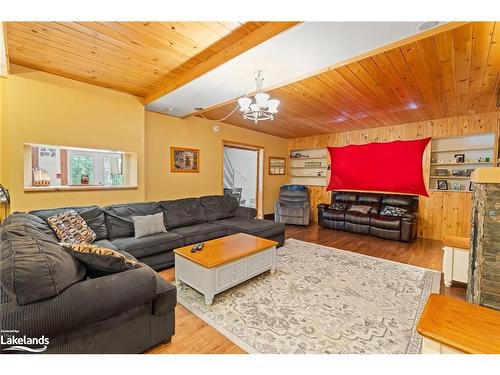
(277, 166)
(184, 160)
(471, 186)
(442, 185)
(460, 158)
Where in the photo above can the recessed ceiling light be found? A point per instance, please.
(427, 25)
(170, 109)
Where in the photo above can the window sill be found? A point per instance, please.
(30, 189)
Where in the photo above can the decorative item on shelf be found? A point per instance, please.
(458, 172)
(40, 177)
(478, 159)
(184, 160)
(276, 166)
(468, 171)
(442, 172)
(433, 161)
(320, 174)
(441, 161)
(456, 186)
(84, 179)
(460, 158)
(263, 108)
(4, 195)
(298, 155)
(313, 164)
(442, 185)
(471, 186)
(487, 159)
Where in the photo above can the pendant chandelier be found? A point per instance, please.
(263, 108)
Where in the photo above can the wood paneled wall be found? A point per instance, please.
(442, 213)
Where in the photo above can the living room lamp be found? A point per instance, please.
(263, 108)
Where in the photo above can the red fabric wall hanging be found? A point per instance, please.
(389, 167)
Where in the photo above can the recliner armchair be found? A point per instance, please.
(293, 206)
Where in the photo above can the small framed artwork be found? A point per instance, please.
(442, 185)
(184, 160)
(276, 166)
(460, 158)
(471, 186)
(456, 186)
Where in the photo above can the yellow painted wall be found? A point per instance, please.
(48, 109)
(163, 131)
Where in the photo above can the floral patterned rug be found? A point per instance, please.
(322, 300)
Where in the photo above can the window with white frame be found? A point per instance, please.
(70, 167)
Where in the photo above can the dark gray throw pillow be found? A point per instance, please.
(100, 261)
(338, 206)
(34, 269)
(360, 208)
(393, 211)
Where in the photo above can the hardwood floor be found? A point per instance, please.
(196, 337)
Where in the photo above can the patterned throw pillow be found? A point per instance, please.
(100, 261)
(338, 206)
(393, 211)
(71, 227)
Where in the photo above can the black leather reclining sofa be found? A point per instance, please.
(126, 312)
(397, 228)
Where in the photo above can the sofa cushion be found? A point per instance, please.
(100, 261)
(183, 212)
(119, 217)
(360, 208)
(345, 196)
(256, 227)
(34, 222)
(404, 201)
(144, 246)
(336, 215)
(23, 224)
(364, 198)
(93, 216)
(357, 217)
(292, 209)
(71, 227)
(218, 207)
(105, 243)
(33, 269)
(200, 232)
(385, 222)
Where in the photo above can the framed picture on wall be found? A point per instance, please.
(184, 160)
(276, 166)
(442, 185)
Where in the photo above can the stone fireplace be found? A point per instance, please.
(483, 285)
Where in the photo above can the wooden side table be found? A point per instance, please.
(449, 325)
(455, 259)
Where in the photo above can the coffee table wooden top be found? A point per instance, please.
(225, 249)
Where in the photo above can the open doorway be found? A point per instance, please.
(242, 174)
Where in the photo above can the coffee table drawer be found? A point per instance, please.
(260, 262)
(230, 274)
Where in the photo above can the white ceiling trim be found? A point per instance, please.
(294, 54)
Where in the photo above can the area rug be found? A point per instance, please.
(322, 300)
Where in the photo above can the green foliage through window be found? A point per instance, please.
(81, 165)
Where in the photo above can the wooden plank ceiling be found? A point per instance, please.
(455, 72)
(134, 57)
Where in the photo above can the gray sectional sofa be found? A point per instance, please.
(188, 221)
(126, 312)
